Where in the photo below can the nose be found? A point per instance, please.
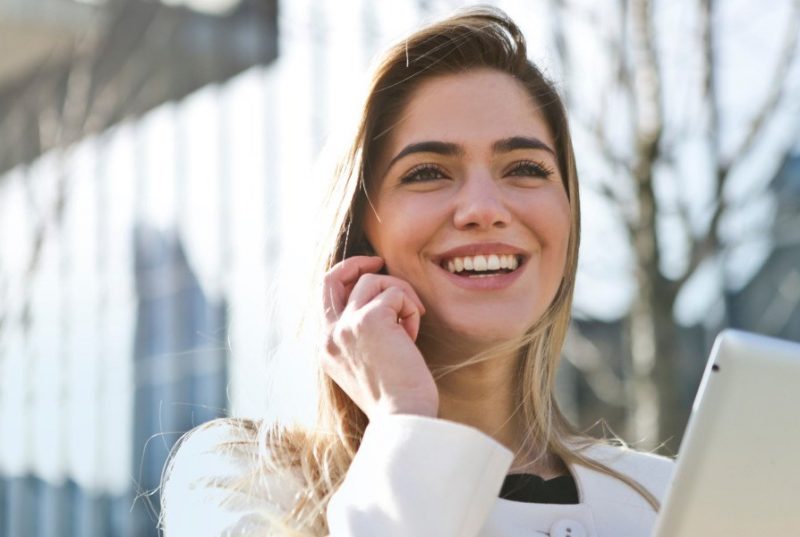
(480, 204)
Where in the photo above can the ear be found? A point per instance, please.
(367, 248)
(361, 247)
(364, 246)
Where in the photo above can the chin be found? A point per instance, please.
(486, 336)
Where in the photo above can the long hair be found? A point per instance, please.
(477, 38)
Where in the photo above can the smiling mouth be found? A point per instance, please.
(481, 266)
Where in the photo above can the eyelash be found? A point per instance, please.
(413, 175)
(530, 168)
(534, 169)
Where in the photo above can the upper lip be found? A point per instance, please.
(482, 248)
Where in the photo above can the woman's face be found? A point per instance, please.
(469, 206)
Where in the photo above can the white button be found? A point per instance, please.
(567, 528)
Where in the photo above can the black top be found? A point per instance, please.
(531, 488)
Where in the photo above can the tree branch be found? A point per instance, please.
(777, 90)
(704, 246)
(586, 357)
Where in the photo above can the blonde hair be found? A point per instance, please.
(472, 39)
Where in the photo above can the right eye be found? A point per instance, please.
(423, 173)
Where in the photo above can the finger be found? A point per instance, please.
(404, 310)
(411, 325)
(340, 279)
(371, 285)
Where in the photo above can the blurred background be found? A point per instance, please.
(159, 173)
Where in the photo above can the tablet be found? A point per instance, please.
(738, 469)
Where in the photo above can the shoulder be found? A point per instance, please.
(221, 480)
(654, 472)
(643, 466)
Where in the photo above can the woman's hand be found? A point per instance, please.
(372, 323)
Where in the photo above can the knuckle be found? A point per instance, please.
(394, 281)
(375, 314)
(329, 277)
(328, 290)
(394, 297)
(368, 279)
(343, 336)
(394, 292)
(332, 348)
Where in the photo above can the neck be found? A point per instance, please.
(481, 395)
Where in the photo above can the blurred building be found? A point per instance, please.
(110, 345)
(181, 380)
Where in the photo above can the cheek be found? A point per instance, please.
(561, 224)
(559, 232)
(548, 216)
(402, 227)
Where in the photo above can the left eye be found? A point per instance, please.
(531, 169)
(425, 172)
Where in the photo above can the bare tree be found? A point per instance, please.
(638, 131)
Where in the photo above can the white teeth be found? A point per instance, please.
(480, 263)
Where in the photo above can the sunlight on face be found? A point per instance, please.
(470, 208)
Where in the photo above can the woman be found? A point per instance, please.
(446, 297)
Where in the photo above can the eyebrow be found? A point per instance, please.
(520, 142)
(440, 148)
(448, 149)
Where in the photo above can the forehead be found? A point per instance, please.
(474, 109)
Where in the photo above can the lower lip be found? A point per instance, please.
(484, 283)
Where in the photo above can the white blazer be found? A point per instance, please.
(414, 477)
